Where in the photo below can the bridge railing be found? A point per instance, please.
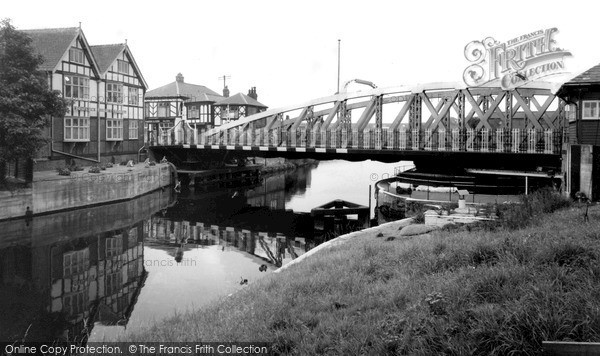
(452, 140)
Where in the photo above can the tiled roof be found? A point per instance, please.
(106, 54)
(191, 91)
(52, 43)
(591, 75)
(240, 99)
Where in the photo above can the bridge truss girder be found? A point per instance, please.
(441, 108)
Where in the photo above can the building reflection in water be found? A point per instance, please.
(62, 274)
(251, 219)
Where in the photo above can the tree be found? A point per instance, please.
(26, 101)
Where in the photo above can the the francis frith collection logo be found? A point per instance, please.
(514, 62)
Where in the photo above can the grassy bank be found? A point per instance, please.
(483, 292)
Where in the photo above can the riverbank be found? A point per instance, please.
(51, 192)
(449, 291)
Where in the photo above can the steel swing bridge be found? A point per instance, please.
(438, 120)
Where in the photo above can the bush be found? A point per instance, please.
(94, 169)
(449, 207)
(419, 218)
(64, 171)
(519, 215)
(416, 210)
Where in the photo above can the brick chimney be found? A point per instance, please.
(226, 92)
(252, 93)
(179, 78)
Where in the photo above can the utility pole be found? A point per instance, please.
(338, 77)
(224, 77)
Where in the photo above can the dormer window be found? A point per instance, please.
(76, 56)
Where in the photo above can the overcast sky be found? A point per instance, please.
(288, 50)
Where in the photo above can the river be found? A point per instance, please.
(97, 273)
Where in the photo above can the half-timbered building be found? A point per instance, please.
(238, 106)
(121, 99)
(93, 95)
(168, 105)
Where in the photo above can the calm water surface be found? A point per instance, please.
(114, 269)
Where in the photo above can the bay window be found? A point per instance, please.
(77, 129)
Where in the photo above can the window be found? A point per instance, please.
(133, 129)
(76, 262)
(77, 129)
(571, 110)
(114, 130)
(114, 93)
(165, 125)
(193, 112)
(133, 96)
(76, 303)
(199, 113)
(163, 109)
(132, 271)
(76, 56)
(113, 283)
(114, 246)
(77, 87)
(590, 109)
(132, 237)
(123, 67)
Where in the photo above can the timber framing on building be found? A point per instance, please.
(105, 91)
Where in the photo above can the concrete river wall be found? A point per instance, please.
(50, 192)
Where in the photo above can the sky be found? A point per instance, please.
(289, 50)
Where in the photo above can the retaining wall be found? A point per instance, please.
(50, 192)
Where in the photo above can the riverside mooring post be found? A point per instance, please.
(369, 205)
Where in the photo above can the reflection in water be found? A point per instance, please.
(95, 273)
(60, 273)
(92, 273)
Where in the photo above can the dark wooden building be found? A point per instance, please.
(581, 158)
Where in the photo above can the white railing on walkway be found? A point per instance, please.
(470, 140)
